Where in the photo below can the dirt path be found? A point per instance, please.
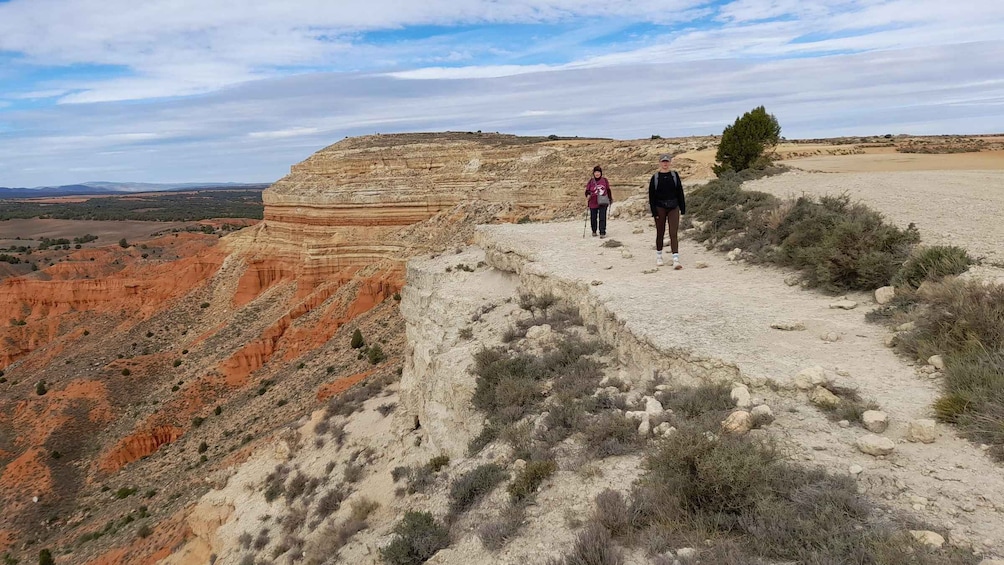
(725, 311)
(949, 207)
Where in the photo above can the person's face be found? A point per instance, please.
(664, 166)
(597, 174)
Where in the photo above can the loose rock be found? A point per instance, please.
(844, 305)
(875, 421)
(788, 326)
(807, 379)
(792, 280)
(741, 396)
(830, 337)
(875, 445)
(626, 254)
(937, 361)
(596, 283)
(738, 422)
(645, 427)
(539, 333)
(928, 538)
(652, 406)
(855, 469)
(907, 327)
(686, 553)
(734, 255)
(762, 414)
(700, 265)
(885, 294)
(822, 397)
(923, 431)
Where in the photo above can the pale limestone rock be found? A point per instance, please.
(652, 406)
(928, 538)
(539, 333)
(843, 305)
(875, 445)
(807, 379)
(792, 280)
(741, 396)
(875, 421)
(625, 254)
(937, 361)
(992, 562)
(738, 422)
(734, 255)
(923, 431)
(762, 414)
(645, 427)
(855, 469)
(700, 265)
(885, 294)
(664, 429)
(686, 554)
(890, 341)
(907, 327)
(830, 337)
(636, 415)
(822, 397)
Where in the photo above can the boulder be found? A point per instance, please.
(875, 445)
(875, 421)
(885, 294)
(652, 406)
(741, 396)
(937, 361)
(807, 379)
(645, 427)
(823, 398)
(923, 431)
(738, 422)
(928, 538)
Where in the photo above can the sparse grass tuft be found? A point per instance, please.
(973, 397)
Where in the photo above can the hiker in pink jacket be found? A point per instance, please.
(599, 199)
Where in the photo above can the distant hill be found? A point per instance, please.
(103, 187)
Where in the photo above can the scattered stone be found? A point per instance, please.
(830, 337)
(652, 406)
(700, 265)
(890, 341)
(649, 271)
(518, 465)
(741, 396)
(626, 254)
(843, 305)
(738, 422)
(937, 361)
(686, 553)
(885, 294)
(792, 280)
(539, 333)
(855, 469)
(762, 414)
(608, 267)
(844, 424)
(734, 255)
(875, 421)
(822, 397)
(907, 327)
(664, 429)
(788, 326)
(872, 444)
(637, 231)
(843, 372)
(596, 283)
(645, 427)
(638, 415)
(807, 379)
(924, 431)
(928, 538)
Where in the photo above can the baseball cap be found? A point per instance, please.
(665, 157)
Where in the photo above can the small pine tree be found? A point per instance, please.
(747, 141)
(45, 558)
(123, 243)
(40, 388)
(357, 339)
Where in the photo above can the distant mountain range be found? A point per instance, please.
(101, 187)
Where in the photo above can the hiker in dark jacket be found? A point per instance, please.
(599, 199)
(665, 198)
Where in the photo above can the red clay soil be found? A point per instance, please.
(341, 385)
(167, 535)
(138, 444)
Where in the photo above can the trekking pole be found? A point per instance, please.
(584, 222)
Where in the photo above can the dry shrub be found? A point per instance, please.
(418, 536)
(612, 512)
(495, 534)
(593, 546)
(471, 487)
(611, 434)
(527, 481)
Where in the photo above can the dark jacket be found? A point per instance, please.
(596, 186)
(668, 194)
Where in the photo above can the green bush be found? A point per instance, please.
(41, 388)
(357, 339)
(593, 546)
(375, 354)
(932, 263)
(45, 558)
(418, 536)
(527, 481)
(746, 142)
(474, 485)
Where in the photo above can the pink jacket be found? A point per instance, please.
(595, 187)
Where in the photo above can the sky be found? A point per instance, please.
(239, 90)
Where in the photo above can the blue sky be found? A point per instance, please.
(238, 90)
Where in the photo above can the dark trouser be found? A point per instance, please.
(662, 215)
(599, 214)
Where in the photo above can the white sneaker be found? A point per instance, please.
(676, 263)
(658, 261)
